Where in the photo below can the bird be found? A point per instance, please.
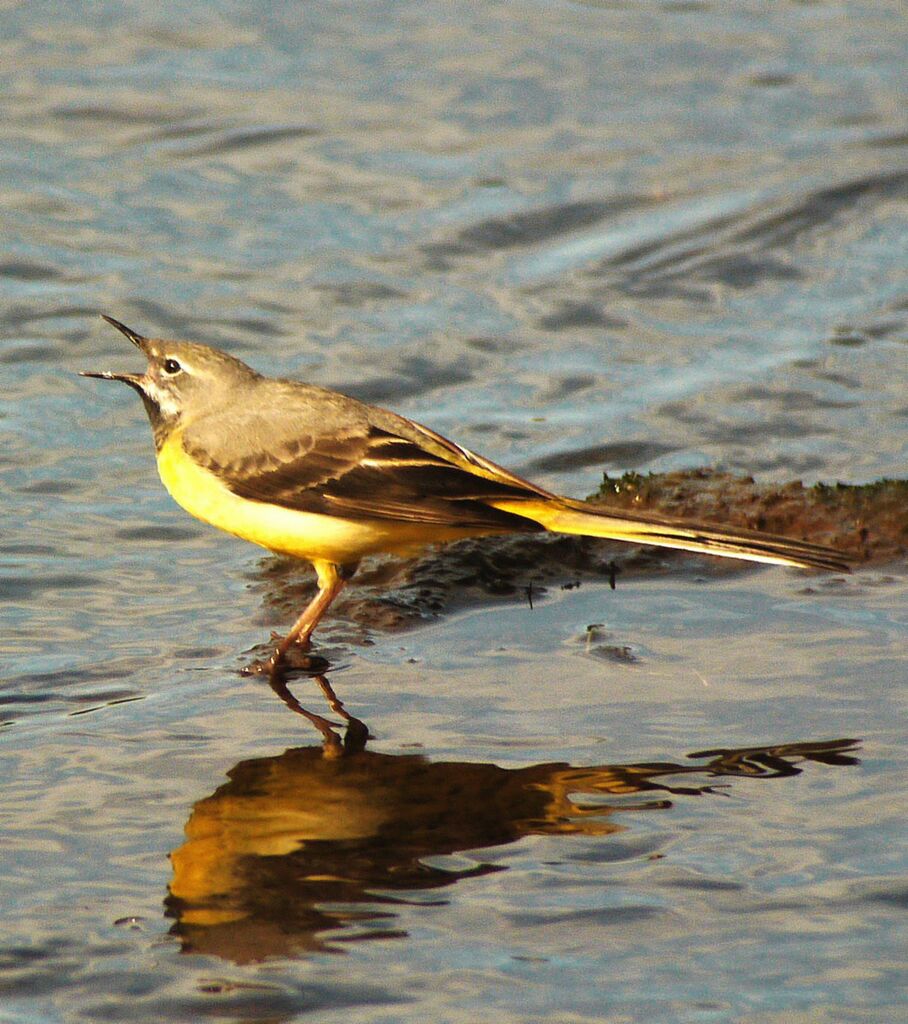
(314, 474)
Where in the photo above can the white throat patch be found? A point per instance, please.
(163, 399)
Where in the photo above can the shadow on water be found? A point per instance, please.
(310, 842)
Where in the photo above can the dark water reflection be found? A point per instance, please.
(299, 845)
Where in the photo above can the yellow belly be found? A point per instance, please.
(316, 538)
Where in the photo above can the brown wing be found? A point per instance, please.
(358, 470)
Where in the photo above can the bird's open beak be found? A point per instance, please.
(137, 339)
(134, 380)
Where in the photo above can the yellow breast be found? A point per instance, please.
(314, 537)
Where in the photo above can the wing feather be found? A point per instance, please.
(359, 470)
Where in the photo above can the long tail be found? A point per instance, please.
(567, 516)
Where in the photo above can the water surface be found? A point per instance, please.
(579, 238)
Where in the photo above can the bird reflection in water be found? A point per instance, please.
(310, 849)
(356, 733)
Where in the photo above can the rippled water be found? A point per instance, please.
(579, 237)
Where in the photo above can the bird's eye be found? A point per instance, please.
(171, 366)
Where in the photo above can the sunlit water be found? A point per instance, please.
(577, 238)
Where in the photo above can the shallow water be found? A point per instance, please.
(582, 238)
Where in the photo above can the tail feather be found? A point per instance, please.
(567, 516)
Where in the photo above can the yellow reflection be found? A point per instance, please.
(296, 845)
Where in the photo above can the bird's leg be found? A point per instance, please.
(302, 629)
(331, 580)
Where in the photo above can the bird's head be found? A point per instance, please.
(182, 380)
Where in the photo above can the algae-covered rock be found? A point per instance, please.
(868, 523)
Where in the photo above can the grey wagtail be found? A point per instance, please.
(310, 473)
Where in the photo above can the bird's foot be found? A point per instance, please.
(294, 659)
